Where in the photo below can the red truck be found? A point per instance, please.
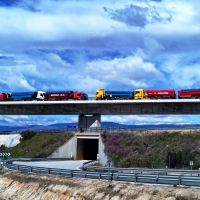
(161, 94)
(5, 97)
(189, 94)
(65, 95)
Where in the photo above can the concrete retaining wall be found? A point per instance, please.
(67, 150)
(70, 149)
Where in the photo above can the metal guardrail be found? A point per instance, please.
(101, 129)
(89, 167)
(110, 175)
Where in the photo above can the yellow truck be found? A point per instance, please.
(138, 94)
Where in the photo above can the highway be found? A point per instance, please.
(99, 101)
(54, 164)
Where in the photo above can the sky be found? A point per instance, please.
(90, 44)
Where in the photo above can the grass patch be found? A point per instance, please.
(41, 145)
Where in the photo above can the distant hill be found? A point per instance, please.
(103, 124)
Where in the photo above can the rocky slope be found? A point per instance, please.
(29, 186)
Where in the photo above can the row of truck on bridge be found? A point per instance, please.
(101, 94)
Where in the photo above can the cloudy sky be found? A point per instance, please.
(90, 44)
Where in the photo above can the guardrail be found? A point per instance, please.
(110, 175)
(101, 129)
(87, 166)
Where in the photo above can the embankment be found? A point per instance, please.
(28, 186)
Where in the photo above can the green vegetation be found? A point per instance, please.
(27, 135)
(156, 149)
(37, 145)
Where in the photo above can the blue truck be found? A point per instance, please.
(27, 96)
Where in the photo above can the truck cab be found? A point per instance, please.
(140, 94)
(40, 95)
(80, 96)
(99, 94)
(5, 97)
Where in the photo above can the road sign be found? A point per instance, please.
(5, 154)
(191, 162)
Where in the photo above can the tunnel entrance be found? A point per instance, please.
(87, 148)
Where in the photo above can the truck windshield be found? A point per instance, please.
(97, 93)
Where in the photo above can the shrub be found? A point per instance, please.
(2, 147)
(132, 149)
(27, 135)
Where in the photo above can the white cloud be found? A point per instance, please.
(144, 119)
(182, 74)
(16, 77)
(183, 20)
(53, 25)
(131, 71)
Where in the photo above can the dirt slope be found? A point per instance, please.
(29, 186)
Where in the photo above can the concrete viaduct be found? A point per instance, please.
(90, 111)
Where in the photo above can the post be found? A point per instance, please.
(108, 165)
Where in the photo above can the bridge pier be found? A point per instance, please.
(85, 121)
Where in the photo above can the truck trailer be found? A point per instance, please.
(65, 95)
(161, 94)
(189, 94)
(28, 96)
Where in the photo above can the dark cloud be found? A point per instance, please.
(72, 56)
(2, 57)
(136, 16)
(7, 61)
(9, 3)
(157, 0)
(28, 5)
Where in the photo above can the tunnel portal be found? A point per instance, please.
(87, 148)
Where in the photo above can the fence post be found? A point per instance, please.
(179, 180)
(135, 178)
(99, 175)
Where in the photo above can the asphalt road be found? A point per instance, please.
(54, 164)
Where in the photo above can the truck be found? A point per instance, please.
(161, 94)
(27, 96)
(189, 94)
(5, 96)
(102, 94)
(65, 95)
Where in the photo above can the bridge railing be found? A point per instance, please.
(102, 129)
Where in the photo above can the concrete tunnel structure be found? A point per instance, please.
(82, 146)
(86, 145)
